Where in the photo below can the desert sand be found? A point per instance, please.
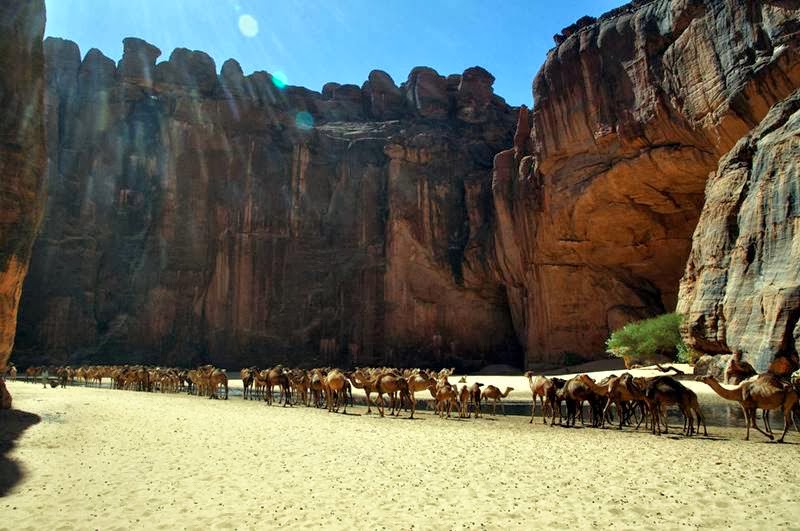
(103, 459)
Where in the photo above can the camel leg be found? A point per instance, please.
(502, 408)
(533, 408)
(606, 412)
(765, 418)
(699, 420)
(787, 420)
(751, 419)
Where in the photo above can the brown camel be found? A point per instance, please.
(277, 377)
(737, 370)
(475, 397)
(574, 393)
(248, 378)
(543, 388)
(493, 393)
(663, 391)
(5, 396)
(621, 391)
(765, 392)
(214, 378)
(300, 383)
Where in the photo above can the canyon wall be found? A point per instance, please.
(741, 290)
(22, 155)
(599, 197)
(197, 216)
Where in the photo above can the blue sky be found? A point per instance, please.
(315, 41)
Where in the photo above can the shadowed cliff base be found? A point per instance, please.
(13, 424)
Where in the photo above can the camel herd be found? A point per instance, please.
(203, 381)
(623, 400)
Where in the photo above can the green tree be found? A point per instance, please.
(648, 339)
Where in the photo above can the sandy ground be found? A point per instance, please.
(103, 459)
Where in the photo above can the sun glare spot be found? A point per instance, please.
(279, 79)
(248, 25)
(304, 120)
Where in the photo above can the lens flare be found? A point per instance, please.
(279, 79)
(248, 25)
(304, 120)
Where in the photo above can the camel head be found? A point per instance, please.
(528, 375)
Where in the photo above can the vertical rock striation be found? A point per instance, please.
(196, 216)
(597, 205)
(741, 289)
(22, 156)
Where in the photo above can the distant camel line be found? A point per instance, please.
(635, 400)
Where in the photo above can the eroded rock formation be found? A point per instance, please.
(597, 205)
(22, 156)
(200, 216)
(741, 290)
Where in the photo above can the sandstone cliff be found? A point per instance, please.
(741, 290)
(597, 201)
(195, 215)
(22, 155)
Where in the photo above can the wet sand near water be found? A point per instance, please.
(103, 459)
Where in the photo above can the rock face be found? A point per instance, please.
(197, 216)
(597, 204)
(193, 216)
(22, 156)
(741, 289)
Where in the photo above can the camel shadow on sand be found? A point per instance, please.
(12, 424)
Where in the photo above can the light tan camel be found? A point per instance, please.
(391, 383)
(543, 389)
(334, 386)
(493, 393)
(446, 395)
(765, 392)
(463, 402)
(360, 381)
(417, 382)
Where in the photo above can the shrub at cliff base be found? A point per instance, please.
(649, 341)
